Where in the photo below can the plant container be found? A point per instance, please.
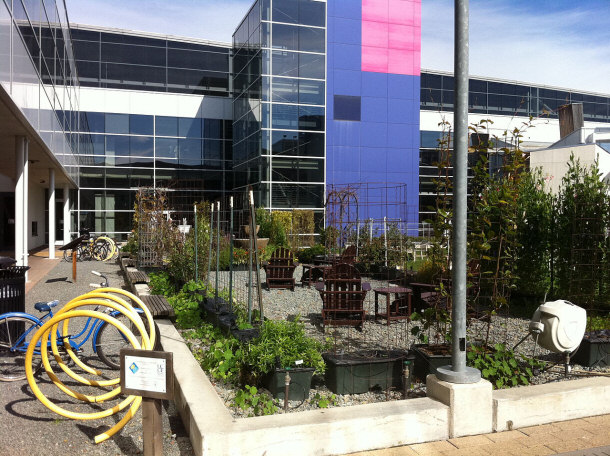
(594, 350)
(428, 358)
(358, 372)
(300, 383)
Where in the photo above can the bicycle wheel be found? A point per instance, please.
(68, 255)
(83, 253)
(100, 251)
(110, 341)
(15, 335)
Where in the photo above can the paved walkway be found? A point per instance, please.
(586, 436)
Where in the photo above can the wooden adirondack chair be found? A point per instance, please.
(343, 294)
(280, 269)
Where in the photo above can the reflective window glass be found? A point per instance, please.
(212, 128)
(431, 81)
(311, 66)
(285, 37)
(141, 146)
(285, 90)
(285, 142)
(285, 116)
(311, 144)
(189, 150)
(212, 149)
(191, 128)
(166, 147)
(312, 12)
(311, 92)
(347, 108)
(312, 39)
(476, 85)
(96, 122)
(166, 126)
(141, 125)
(311, 118)
(117, 145)
(285, 63)
(286, 11)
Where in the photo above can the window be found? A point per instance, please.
(347, 108)
(140, 125)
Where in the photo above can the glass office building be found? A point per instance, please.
(143, 142)
(279, 103)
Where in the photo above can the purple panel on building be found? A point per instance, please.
(373, 56)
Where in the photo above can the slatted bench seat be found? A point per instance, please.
(158, 306)
(137, 277)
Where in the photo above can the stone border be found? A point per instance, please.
(342, 430)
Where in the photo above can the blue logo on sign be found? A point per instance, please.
(134, 368)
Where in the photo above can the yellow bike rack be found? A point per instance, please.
(49, 333)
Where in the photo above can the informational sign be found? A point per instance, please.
(146, 373)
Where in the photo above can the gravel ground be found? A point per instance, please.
(304, 301)
(30, 429)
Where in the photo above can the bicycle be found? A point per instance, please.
(17, 329)
(101, 248)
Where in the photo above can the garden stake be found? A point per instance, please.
(250, 275)
(217, 247)
(257, 264)
(196, 246)
(286, 389)
(210, 244)
(231, 254)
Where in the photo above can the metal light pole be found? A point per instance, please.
(458, 372)
(231, 255)
(217, 246)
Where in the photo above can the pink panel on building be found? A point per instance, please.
(391, 36)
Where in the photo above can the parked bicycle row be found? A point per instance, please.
(101, 248)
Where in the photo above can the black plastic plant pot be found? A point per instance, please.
(594, 350)
(428, 358)
(300, 383)
(358, 372)
(245, 335)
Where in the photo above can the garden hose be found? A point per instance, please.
(49, 333)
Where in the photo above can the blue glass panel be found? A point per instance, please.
(141, 125)
(96, 121)
(311, 39)
(142, 146)
(311, 92)
(347, 107)
(166, 126)
(189, 127)
(166, 147)
(285, 37)
(286, 11)
(312, 12)
(117, 145)
(212, 128)
(311, 118)
(311, 66)
(285, 90)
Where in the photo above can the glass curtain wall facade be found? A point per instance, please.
(279, 103)
(186, 156)
(129, 61)
(506, 98)
(37, 69)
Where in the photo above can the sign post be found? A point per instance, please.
(148, 374)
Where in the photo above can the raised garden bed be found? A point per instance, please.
(428, 358)
(300, 383)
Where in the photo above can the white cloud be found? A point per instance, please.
(551, 47)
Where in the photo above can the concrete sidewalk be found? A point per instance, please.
(585, 436)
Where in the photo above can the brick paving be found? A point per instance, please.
(582, 437)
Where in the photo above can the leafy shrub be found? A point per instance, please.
(131, 246)
(161, 283)
(501, 367)
(307, 255)
(186, 305)
(283, 343)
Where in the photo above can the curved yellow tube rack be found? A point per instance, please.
(49, 333)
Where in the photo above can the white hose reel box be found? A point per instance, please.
(559, 326)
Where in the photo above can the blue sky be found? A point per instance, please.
(562, 43)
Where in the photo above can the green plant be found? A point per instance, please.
(161, 283)
(131, 246)
(186, 305)
(598, 322)
(249, 398)
(324, 401)
(223, 360)
(500, 366)
(307, 255)
(282, 343)
(433, 322)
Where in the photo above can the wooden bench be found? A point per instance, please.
(137, 277)
(158, 306)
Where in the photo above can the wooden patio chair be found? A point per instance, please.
(280, 269)
(343, 294)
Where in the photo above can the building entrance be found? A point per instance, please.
(7, 221)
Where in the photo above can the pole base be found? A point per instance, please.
(468, 375)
